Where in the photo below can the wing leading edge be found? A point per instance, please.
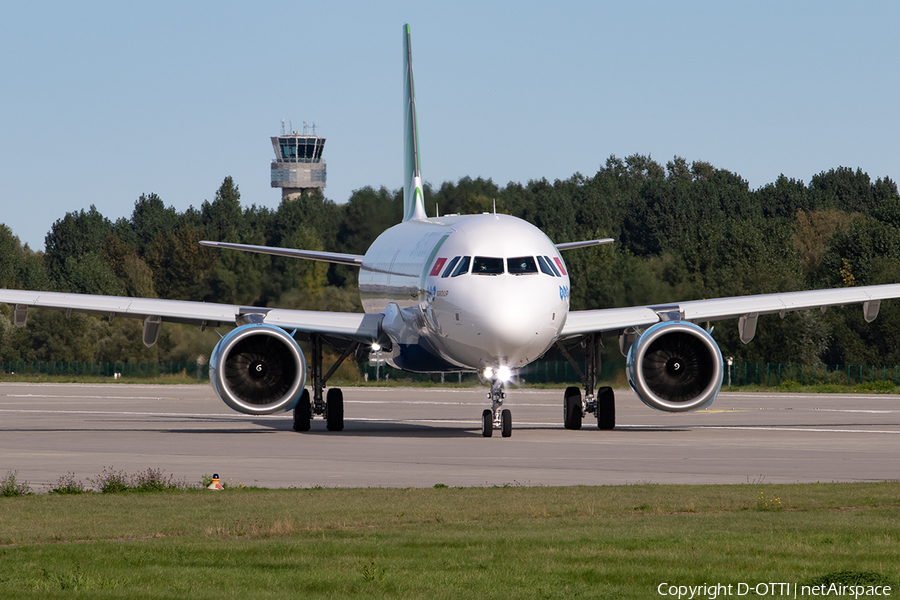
(584, 244)
(353, 326)
(744, 308)
(353, 260)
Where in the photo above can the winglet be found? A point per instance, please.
(413, 197)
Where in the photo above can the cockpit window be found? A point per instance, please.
(545, 267)
(552, 266)
(521, 265)
(484, 265)
(449, 268)
(463, 267)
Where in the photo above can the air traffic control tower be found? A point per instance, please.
(298, 163)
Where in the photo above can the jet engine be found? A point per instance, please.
(675, 366)
(258, 369)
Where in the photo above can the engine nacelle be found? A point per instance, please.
(675, 366)
(258, 369)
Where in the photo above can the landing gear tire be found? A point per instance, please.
(302, 413)
(487, 423)
(606, 408)
(334, 410)
(506, 423)
(572, 408)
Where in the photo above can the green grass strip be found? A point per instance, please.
(509, 542)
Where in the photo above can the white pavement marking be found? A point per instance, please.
(140, 414)
(454, 421)
(84, 397)
(755, 428)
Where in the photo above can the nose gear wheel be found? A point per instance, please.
(496, 417)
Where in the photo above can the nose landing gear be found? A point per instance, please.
(496, 417)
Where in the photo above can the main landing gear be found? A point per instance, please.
(496, 417)
(331, 407)
(602, 403)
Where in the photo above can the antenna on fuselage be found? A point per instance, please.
(495, 207)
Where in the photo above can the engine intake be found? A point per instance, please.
(675, 366)
(258, 369)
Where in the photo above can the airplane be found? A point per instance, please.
(486, 293)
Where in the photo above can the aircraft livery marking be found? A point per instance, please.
(438, 265)
(434, 252)
(560, 265)
(432, 292)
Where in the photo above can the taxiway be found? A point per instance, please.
(419, 437)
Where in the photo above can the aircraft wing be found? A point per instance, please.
(745, 308)
(583, 244)
(355, 326)
(354, 260)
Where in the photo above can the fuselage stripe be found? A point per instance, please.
(434, 252)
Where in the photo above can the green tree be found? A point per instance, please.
(367, 214)
(149, 219)
(180, 264)
(128, 267)
(20, 267)
(69, 240)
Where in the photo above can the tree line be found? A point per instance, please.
(683, 231)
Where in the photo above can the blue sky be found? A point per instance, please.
(104, 101)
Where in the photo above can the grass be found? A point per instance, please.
(868, 387)
(10, 486)
(176, 379)
(441, 542)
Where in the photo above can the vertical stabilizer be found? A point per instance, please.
(413, 197)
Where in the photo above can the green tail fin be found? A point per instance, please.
(413, 197)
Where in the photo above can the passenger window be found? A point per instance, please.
(484, 265)
(449, 268)
(521, 265)
(552, 266)
(545, 268)
(463, 267)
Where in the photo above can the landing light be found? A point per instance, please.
(502, 373)
(376, 347)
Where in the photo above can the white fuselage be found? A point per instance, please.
(466, 292)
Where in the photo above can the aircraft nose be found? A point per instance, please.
(514, 326)
(521, 331)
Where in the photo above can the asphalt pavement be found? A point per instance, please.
(419, 437)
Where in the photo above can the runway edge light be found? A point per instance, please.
(215, 485)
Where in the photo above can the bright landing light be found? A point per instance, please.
(503, 373)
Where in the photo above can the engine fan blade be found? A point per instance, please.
(259, 368)
(677, 367)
